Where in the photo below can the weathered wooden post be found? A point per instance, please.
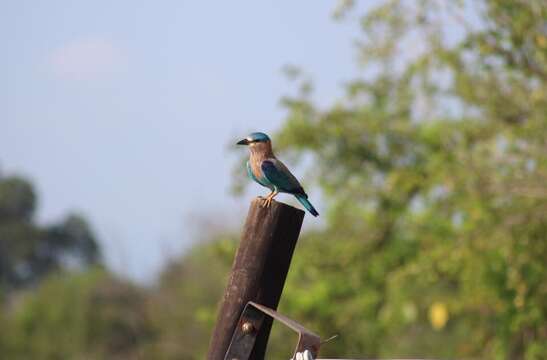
(258, 273)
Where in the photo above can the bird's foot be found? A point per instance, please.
(266, 202)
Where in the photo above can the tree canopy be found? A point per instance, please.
(29, 251)
(433, 168)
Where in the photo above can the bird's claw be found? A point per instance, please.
(266, 202)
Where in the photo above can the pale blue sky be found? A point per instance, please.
(124, 110)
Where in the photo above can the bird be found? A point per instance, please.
(264, 168)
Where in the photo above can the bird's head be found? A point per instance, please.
(253, 138)
(258, 142)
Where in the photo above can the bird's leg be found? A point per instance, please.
(265, 200)
(268, 200)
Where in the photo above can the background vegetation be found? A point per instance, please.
(433, 168)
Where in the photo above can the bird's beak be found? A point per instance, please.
(243, 142)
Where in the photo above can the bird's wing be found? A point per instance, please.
(278, 174)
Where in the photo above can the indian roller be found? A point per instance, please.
(264, 168)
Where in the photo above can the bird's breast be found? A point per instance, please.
(255, 167)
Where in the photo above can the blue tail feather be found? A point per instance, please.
(305, 202)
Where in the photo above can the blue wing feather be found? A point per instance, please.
(280, 177)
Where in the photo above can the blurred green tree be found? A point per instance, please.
(84, 315)
(187, 294)
(433, 169)
(94, 315)
(29, 251)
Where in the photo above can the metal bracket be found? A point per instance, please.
(249, 325)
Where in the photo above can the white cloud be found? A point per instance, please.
(87, 59)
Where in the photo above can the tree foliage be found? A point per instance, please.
(29, 251)
(187, 294)
(94, 315)
(433, 169)
(88, 315)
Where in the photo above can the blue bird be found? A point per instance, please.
(264, 168)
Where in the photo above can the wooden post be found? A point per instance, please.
(258, 273)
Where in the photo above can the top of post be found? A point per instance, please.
(275, 207)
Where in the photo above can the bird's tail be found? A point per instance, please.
(305, 202)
